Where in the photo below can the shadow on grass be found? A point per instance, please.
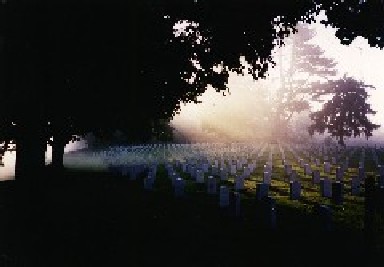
(85, 218)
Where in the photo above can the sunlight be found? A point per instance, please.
(239, 114)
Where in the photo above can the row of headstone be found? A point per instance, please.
(294, 183)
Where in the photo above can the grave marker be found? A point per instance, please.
(211, 185)
(179, 187)
(316, 177)
(355, 185)
(224, 196)
(326, 187)
(267, 178)
(295, 190)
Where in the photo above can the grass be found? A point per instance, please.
(94, 218)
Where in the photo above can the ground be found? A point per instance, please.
(98, 219)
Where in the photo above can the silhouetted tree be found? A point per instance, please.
(347, 113)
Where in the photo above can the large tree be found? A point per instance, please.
(347, 113)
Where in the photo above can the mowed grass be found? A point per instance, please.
(347, 217)
(90, 218)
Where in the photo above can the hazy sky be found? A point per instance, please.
(358, 60)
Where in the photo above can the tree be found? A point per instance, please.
(346, 113)
(98, 45)
(304, 65)
(80, 49)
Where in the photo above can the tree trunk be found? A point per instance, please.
(30, 154)
(58, 146)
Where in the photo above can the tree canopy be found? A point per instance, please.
(76, 66)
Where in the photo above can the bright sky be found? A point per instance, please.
(358, 60)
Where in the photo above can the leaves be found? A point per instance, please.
(347, 113)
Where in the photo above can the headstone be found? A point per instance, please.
(261, 191)
(333, 160)
(224, 196)
(295, 190)
(380, 180)
(246, 172)
(223, 174)
(361, 164)
(179, 187)
(173, 177)
(361, 173)
(205, 167)
(288, 169)
(339, 174)
(239, 182)
(267, 168)
(184, 167)
(215, 170)
(381, 170)
(337, 192)
(355, 185)
(199, 177)
(233, 169)
(326, 187)
(301, 163)
(307, 169)
(211, 185)
(317, 162)
(316, 177)
(267, 178)
(327, 167)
